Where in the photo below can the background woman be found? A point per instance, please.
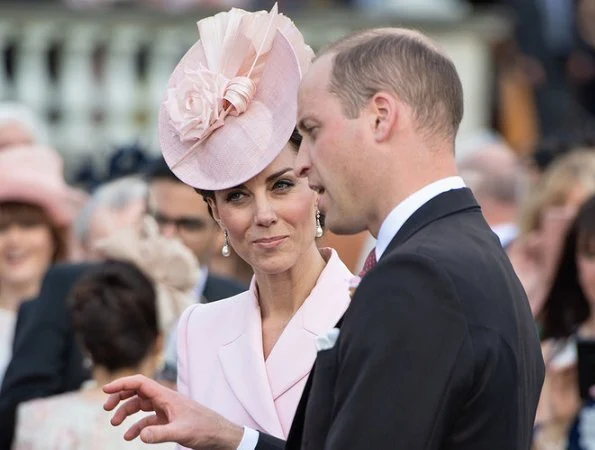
(36, 210)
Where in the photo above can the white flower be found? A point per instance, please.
(327, 340)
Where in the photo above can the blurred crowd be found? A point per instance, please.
(154, 247)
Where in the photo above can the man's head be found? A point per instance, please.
(494, 174)
(115, 205)
(379, 111)
(180, 211)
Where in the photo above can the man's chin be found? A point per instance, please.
(341, 226)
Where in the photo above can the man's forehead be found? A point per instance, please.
(319, 72)
(314, 81)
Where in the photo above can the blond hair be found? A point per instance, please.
(576, 169)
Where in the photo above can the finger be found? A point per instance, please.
(128, 408)
(135, 430)
(157, 434)
(131, 383)
(114, 399)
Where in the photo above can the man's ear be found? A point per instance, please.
(384, 109)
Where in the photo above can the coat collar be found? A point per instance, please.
(259, 384)
(445, 204)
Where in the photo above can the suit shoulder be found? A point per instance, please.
(218, 287)
(406, 276)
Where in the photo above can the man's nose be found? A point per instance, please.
(169, 230)
(302, 161)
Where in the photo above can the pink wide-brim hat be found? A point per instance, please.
(231, 102)
(34, 174)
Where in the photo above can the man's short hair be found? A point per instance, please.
(404, 62)
(494, 172)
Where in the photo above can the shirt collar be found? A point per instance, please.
(404, 210)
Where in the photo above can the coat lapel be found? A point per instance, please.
(292, 357)
(244, 368)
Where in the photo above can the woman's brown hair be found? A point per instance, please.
(28, 214)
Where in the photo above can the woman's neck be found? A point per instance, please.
(281, 295)
(102, 376)
(12, 295)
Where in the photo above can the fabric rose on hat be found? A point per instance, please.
(196, 103)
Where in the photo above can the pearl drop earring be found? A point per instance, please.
(319, 230)
(225, 250)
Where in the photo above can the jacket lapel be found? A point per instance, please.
(244, 368)
(293, 355)
(445, 204)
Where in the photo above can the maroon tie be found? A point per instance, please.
(368, 263)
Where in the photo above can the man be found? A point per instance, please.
(494, 174)
(438, 349)
(118, 204)
(181, 212)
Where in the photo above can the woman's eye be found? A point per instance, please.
(283, 185)
(234, 196)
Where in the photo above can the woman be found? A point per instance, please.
(248, 357)
(36, 210)
(545, 215)
(568, 314)
(121, 310)
(115, 317)
(226, 129)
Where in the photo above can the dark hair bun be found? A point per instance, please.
(114, 313)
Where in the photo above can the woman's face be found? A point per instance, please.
(26, 251)
(271, 219)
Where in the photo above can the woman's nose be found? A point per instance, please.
(264, 214)
(13, 234)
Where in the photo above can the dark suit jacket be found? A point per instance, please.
(217, 288)
(438, 349)
(46, 359)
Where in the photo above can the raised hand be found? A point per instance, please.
(175, 419)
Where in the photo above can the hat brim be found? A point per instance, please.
(247, 143)
(62, 205)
